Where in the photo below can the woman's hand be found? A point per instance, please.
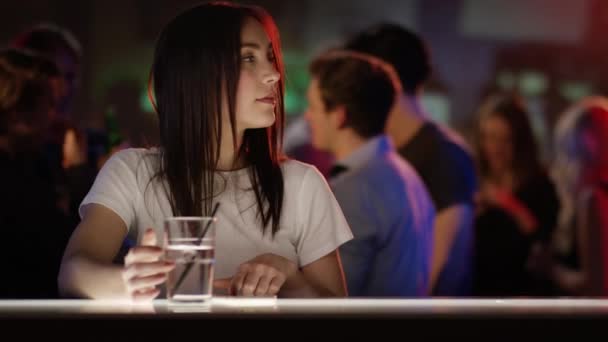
(144, 269)
(263, 275)
(492, 195)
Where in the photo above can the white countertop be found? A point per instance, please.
(312, 307)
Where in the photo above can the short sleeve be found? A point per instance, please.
(115, 187)
(321, 225)
(452, 179)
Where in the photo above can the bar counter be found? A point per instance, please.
(433, 316)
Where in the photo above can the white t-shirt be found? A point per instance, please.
(312, 224)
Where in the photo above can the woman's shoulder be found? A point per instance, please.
(132, 157)
(296, 173)
(297, 169)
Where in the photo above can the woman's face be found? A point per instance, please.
(496, 143)
(257, 89)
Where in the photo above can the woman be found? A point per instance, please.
(581, 168)
(517, 203)
(219, 99)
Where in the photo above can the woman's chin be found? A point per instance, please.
(263, 122)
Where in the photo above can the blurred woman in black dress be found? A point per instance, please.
(517, 204)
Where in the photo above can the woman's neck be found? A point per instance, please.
(230, 158)
(504, 179)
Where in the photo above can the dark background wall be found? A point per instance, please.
(551, 50)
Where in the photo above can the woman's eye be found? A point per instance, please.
(248, 59)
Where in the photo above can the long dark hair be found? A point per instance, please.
(197, 64)
(511, 108)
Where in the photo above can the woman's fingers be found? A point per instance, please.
(145, 276)
(149, 238)
(263, 286)
(222, 283)
(139, 283)
(147, 251)
(147, 269)
(237, 283)
(143, 254)
(222, 287)
(145, 295)
(257, 280)
(275, 285)
(250, 283)
(144, 270)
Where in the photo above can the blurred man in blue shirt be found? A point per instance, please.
(385, 202)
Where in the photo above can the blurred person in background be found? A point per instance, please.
(71, 149)
(298, 146)
(438, 154)
(62, 48)
(517, 204)
(579, 260)
(32, 217)
(383, 199)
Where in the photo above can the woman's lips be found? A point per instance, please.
(269, 100)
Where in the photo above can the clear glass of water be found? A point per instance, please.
(190, 243)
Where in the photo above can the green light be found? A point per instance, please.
(532, 83)
(144, 101)
(296, 69)
(438, 107)
(575, 90)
